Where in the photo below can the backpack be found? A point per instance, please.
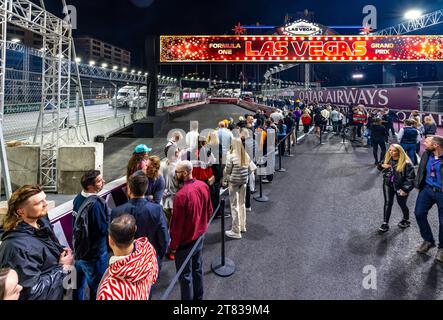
(80, 234)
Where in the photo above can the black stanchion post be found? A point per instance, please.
(280, 169)
(223, 266)
(261, 197)
(296, 136)
(289, 145)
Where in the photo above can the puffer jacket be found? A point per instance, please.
(34, 254)
(132, 277)
(234, 173)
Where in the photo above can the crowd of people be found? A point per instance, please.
(118, 252)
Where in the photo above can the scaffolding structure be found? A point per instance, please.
(425, 21)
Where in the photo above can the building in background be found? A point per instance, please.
(89, 48)
(26, 37)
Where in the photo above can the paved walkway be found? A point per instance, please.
(318, 232)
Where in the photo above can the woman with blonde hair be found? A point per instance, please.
(430, 128)
(398, 180)
(236, 176)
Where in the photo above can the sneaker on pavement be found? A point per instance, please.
(232, 234)
(425, 246)
(404, 224)
(384, 227)
(439, 255)
(249, 209)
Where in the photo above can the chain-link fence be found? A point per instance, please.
(23, 96)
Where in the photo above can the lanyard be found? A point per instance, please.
(433, 169)
(393, 164)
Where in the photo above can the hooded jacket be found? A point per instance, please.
(131, 277)
(34, 254)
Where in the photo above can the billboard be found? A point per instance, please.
(394, 98)
(300, 48)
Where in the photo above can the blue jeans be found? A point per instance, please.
(90, 273)
(425, 200)
(410, 150)
(191, 279)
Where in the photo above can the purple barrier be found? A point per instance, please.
(394, 98)
(61, 216)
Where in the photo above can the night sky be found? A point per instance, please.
(126, 23)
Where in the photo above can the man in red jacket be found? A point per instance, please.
(192, 211)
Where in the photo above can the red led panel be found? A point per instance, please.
(300, 49)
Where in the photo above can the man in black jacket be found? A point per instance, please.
(430, 183)
(379, 135)
(149, 216)
(30, 246)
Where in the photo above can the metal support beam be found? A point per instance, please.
(425, 21)
(3, 157)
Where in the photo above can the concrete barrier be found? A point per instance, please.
(73, 161)
(24, 165)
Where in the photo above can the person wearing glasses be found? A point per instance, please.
(192, 210)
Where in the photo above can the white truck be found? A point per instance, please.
(125, 97)
(142, 97)
(170, 96)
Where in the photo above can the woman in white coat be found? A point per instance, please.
(235, 175)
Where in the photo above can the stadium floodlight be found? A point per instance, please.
(91, 62)
(413, 14)
(114, 67)
(125, 69)
(357, 76)
(78, 59)
(15, 40)
(104, 65)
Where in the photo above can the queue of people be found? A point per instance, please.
(118, 253)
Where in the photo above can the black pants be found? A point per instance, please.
(375, 145)
(388, 194)
(306, 128)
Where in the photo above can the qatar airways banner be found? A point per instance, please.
(395, 98)
(300, 49)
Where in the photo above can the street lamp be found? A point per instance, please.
(91, 62)
(125, 69)
(114, 67)
(78, 59)
(15, 40)
(413, 14)
(104, 65)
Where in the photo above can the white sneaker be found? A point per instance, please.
(232, 234)
(249, 209)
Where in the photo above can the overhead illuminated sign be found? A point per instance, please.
(301, 28)
(300, 49)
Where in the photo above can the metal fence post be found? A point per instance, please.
(222, 266)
